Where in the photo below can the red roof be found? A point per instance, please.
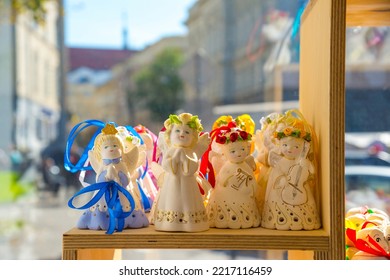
(98, 59)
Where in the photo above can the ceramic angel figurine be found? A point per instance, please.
(264, 142)
(231, 203)
(289, 201)
(367, 234)
(114, 160)
(244, 122)
(372, 243)
(179, 205)
(147, 179)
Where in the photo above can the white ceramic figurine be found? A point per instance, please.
(231, 203)
(179, 205)
(289, 201)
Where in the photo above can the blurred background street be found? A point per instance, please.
(32, 227)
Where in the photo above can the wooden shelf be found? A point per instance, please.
(213, 239)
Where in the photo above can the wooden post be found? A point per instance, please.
(322, 102)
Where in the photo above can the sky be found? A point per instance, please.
(99, 23)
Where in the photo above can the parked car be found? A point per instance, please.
(367, 185)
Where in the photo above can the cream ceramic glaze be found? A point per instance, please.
(289, 203)
(232, 202)
(179, 205)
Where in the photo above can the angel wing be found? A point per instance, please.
(202, 145)
(142, 155)
(96, 165)
(131, 159)
(250, 160)
(162, 146)
(217, 160)
(273, 158)
(158, 172)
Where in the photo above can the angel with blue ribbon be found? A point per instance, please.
(114, 205)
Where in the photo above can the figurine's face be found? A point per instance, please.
(111, 149)
(181, 135)
(291, 147)
(236, 151)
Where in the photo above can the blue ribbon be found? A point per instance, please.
(110, 190)
(297, 20)
(145, 199)
(79, 166)
(76, 130)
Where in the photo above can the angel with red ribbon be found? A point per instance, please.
(231, 202)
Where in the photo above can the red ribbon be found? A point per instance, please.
(206, 168)
(367, 246)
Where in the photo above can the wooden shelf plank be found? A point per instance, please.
(227, 239)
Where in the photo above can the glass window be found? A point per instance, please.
(211, 58)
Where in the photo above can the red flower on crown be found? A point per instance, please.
(244, 135)
(221, 139)
(233, 136)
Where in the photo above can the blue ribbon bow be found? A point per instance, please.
(110, 190)
(113, 161)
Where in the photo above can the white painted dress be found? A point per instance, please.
(180, 206)
(232, 202)
(289, 202)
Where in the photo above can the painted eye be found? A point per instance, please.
(177, 130)
(106, 147)
(115, 146)
(377, 239)
(187, 132)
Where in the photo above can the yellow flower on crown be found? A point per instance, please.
(246, 123)
(299, 125)
(222, 120)
(287, 131)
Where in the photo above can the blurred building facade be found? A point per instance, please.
(30, 87)
(100, 82)
(124, 77)
(92, 92)
(234, 48)
(7, 79)
(227, 61)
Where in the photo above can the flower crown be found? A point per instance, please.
(293, 132)
(193, 123)
(231, 135)
(140, 128)
(245, 122)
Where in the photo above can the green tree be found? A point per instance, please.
(36, 8)
(159, 86)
